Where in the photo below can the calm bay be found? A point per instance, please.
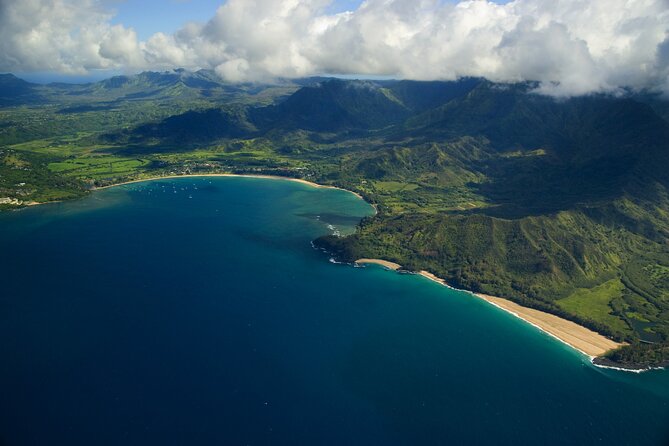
(195, 311)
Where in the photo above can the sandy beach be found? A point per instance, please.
(384, 263)
(584, 340)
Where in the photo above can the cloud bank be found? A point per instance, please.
(571, 47)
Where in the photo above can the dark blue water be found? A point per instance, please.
(195, 312)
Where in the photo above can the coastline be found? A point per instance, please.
(582, 339)
(203, 175)
(587, 342)
(242, 175)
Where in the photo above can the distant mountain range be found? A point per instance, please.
(171, 84)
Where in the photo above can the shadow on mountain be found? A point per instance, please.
(186, 131)
(538, 185)
(332, 106)
(15, 91)
(554, 155)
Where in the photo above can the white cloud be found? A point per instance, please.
(236, 70)
(120, 45)
(63, 36)
(570, 46)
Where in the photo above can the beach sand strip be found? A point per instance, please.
(576, 336)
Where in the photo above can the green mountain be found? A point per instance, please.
(423, 96)
(332, 106)
(327, 106)
(197, 127)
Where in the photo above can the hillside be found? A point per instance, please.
(334, 106)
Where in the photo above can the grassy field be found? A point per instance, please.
(391, 187)
(595, 303)
(98, 167)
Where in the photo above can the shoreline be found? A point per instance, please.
(239, 175)
(584, 340)
(581, 339)
(29, 204)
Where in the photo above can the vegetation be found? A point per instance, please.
(637, 355)
(557, 205)
(597, 304)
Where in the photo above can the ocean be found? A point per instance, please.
(194, 311)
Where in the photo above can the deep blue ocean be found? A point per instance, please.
(194, 311)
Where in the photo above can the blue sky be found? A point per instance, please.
(151, 16)
(168, 16)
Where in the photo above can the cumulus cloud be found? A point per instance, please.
(570, 46)
(62, 36)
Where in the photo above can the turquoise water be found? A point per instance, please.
(195, 311)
